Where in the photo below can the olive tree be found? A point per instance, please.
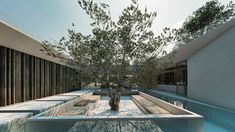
(122, 51)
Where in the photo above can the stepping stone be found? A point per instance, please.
(31, 106)
(82, 107)
(93, 98)
(13, 122)
(89, 99)
(58, 98)
(76, 93)
(149, 106)
(83, 102)
(74, 111)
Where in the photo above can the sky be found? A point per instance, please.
(50, 19)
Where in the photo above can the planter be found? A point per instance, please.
(114, 100)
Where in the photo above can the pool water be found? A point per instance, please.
(211, 127)
(216, 119)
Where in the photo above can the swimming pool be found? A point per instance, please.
(216, 119)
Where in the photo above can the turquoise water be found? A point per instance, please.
(216, 119)
(211, 127)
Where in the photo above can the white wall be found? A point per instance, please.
(167, 88)
(211, 72)
(171, 88)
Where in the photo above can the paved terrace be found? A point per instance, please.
(13, 117)
(127, 107)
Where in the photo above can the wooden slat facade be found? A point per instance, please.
(3, 77)
(18, 86)
(9, 80)
(25, 77)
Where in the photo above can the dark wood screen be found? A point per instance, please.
(24, 77)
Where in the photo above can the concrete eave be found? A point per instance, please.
(12, 38)
(189, 49)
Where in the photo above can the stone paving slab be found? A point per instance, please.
(115, 126)
(13, 117)
(83, 106)
(30, 106)
(13, 122)
(76, 93)
(74, 111)
(149, 106)
(123, 93)
(58, 98)
(127, 107)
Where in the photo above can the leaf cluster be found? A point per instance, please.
(119, 51)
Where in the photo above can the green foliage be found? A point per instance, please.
(122, 51)
(127, 51)
(210, 13)
(206, 18)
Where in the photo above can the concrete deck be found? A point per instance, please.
(77, 93)
(13, 122)
(82, 106)
(101, 118)
(149, 106)
(13, 117)
(58, 98)
(30, 106)
(127, 107)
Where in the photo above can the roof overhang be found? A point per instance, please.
(12, 38)
(183, 53)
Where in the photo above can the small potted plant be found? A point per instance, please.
(115, 97)
(114, 100)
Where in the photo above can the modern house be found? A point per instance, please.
(27, 73)
(204, 69)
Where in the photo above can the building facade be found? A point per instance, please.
(26, 73)
(204, 69)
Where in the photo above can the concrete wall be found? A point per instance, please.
(172, 89)
(211, 72)
(167, 88)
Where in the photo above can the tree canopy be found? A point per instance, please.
(204, 19)
(125, 51)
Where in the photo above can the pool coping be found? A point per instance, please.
(191, 115)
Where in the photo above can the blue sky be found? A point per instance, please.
(50, 19)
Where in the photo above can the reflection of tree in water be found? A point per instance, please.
(115, 126)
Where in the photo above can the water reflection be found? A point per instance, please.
(115, 126)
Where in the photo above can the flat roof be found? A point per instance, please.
(13, 38)
(189, 49)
